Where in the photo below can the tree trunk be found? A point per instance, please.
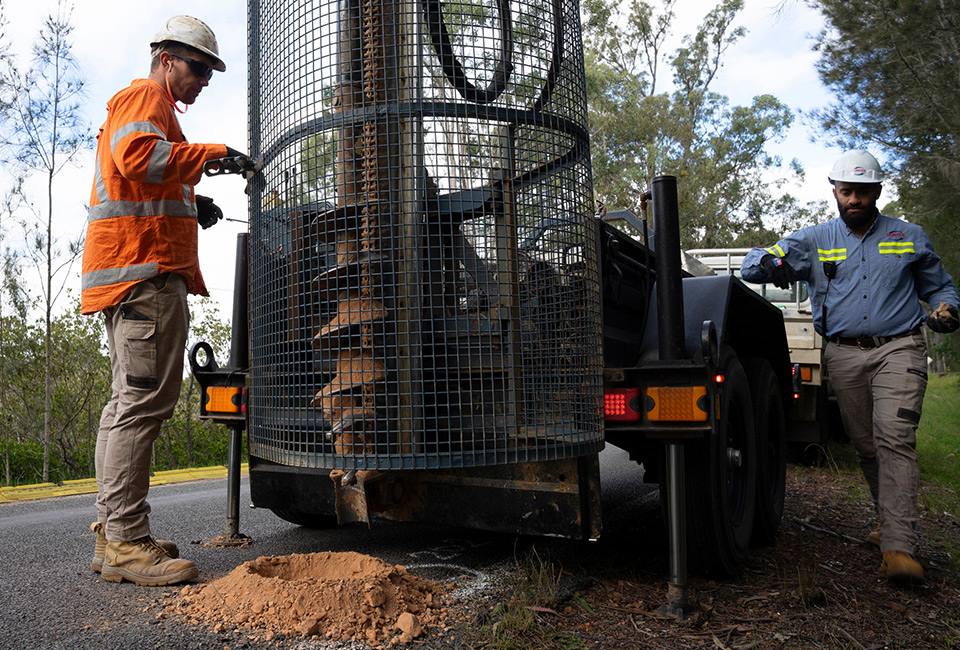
(47, 361)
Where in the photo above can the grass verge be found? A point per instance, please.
(516, 623)
(938, 451)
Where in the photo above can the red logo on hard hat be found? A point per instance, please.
(858, 171)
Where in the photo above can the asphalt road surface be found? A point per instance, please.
(51, 600)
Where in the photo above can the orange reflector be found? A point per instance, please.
(806, 373)
(223, 400)
(677, 404)
(621, 404)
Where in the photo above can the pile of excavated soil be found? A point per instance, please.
(345, 596)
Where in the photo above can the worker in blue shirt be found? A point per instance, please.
(867, 274)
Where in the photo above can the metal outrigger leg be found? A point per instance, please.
(672, 348)
(232, 536)
(222, 395)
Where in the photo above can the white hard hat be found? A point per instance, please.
(856, 166)
(194, 33)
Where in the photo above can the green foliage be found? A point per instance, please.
(716, 151)
(43, 131)
(78, 389)
(55, 370)
(80, 384)
(892, 66)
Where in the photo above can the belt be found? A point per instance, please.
(869, 342)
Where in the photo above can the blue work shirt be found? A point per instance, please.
(879, 282)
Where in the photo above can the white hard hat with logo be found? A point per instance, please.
(856, 166)
(194, 33)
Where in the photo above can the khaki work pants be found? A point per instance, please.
(146, 333)
(880, 392)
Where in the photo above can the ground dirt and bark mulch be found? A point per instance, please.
(816, 587)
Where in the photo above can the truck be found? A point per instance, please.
(810, 409)
(430, 321)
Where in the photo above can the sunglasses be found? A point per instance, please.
(199, 68)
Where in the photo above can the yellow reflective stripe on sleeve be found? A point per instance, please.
(775, 250)
(897, 247)
(832, 254)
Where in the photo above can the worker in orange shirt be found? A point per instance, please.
(139, 263)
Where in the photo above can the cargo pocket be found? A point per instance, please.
(911, 399)
(140, 353)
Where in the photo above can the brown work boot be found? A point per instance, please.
(143, 562)
(101, 545)
(901, 568)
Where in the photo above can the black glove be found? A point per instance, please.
(247, 164)
(208, 213)
(780, 273)
(943, 319)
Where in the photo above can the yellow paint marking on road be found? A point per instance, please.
(89, 485)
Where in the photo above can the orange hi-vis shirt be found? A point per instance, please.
(143, 213)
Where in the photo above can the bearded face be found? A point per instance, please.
(857, 203)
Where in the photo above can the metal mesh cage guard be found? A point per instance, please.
(424, 290)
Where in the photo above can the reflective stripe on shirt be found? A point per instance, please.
(134, 127)
(832, 254)
(103, 277)
(102, 194)
(775, 250)
(157, 166)
(168, 207)
(897, 247)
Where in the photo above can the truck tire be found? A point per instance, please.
(770, 426)
(307, 519)
(721, 490)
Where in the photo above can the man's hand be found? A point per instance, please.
(208, 213)
(780, 273)
(248, 168)
(245, 162)
(943, 319)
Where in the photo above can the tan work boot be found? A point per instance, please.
(143, 562)
(101, 545)
(901, 568)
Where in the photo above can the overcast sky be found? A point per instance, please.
(111, 45)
